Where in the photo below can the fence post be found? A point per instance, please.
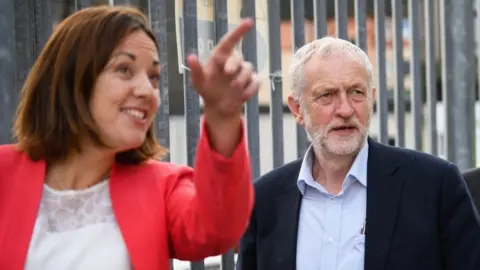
(8, 87)
(456, 20)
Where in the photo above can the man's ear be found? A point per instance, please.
(374, 94)
(295, 109)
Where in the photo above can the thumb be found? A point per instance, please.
(196, 71)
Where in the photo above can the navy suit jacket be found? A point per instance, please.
(420, 216)
(472, 177)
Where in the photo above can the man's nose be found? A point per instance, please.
(344, 108)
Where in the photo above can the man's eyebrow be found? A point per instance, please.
(358, 85)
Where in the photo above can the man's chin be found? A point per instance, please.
(344, 146)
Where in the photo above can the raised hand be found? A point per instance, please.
(225, 82)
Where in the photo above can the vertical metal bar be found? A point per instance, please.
(121, 2)
(192, 99)
(457, 71)
(276, 89)
(298, 23)
(249, 50)
(397, 12)
(81, 4)
(157, 12)
(61, 10)
(431, 74)
(8, 55)
(24, 40)
(465, 98)
(447, 75)
(220, 29)
(382, 97)
(320, 18)
(33, 26)
(361, 24)
(416, 91)
(43, 23)
(228, 259)
(341, 18)
(221, 19)
(477, 54)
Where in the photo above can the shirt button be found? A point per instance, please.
(330, 240)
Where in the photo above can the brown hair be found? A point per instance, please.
(53, 115)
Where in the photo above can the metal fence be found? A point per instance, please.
(424, 53)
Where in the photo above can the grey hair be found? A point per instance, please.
(325, 46)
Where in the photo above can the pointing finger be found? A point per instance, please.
(228, 42)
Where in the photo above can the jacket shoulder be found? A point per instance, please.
(10, 155)
(285, 175)
(403, 155)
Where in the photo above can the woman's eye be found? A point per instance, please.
(155, 77)
(123, 69)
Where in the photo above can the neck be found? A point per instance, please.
(81, 170)
(330, 170)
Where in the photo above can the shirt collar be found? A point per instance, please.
(358, 170)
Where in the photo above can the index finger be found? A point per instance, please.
(228, 42)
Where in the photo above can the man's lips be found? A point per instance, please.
(344, 127)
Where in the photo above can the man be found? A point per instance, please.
(472, 177)
(351, 202)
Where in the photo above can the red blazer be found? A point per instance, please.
(163, 210)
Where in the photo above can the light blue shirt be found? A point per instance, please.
(330, 227)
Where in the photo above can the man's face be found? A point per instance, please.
(335, 105)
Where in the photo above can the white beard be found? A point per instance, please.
(333, 144)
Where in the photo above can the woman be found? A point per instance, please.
(82, 190)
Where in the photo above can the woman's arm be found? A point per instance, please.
(208, 210)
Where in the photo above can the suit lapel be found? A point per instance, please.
(383, 197)
(287, 214)
(21, 215)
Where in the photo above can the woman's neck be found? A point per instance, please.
(80, 171)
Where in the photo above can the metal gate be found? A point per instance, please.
(424, 53)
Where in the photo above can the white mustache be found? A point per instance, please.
(354, 123)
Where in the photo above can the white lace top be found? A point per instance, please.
(76, 230)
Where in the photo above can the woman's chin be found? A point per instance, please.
(131, 144)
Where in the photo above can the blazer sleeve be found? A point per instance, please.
(247, 255)
(459, 223)
(208, 208)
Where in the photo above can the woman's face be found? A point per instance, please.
(125, 96)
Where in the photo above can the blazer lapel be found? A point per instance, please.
(21, 214)
(287, 213)
(132, 191)
(383, 197)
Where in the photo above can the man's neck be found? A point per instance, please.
(330, 170)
